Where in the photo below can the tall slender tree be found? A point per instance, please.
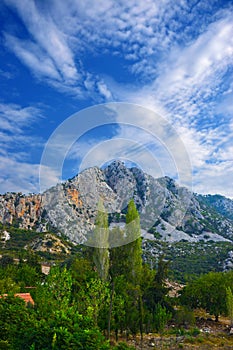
(133, 233)
(229, 302)
(101, 236)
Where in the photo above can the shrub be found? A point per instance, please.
(123, 346)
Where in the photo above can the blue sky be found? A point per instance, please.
(59, 57)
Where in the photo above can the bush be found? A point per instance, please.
(162, 316)
(123, 346)
(184, 317)
(194, 332)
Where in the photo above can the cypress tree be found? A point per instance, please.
(101, 234)
(135, 247)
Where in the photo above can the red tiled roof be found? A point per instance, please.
(25, 296)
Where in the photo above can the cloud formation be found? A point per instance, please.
(178, 57)
(18, 170)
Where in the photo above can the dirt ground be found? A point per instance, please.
(213, 335)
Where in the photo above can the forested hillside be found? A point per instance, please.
(104, 298)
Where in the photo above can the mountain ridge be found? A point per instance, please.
(168, 211)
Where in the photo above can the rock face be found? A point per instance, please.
(50, 244)
(25, 210)
(221, 204)
(167, 210)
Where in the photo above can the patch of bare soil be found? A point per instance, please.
(213, 335)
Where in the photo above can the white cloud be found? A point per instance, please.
(14, 118)
(17, 144)
(187, 90)
(47, 51)
(104, 91)
(47, 37)
(198, 66)
(178, 56)
(60, 32)
(18, 176)
(215, 178)
(33, 57)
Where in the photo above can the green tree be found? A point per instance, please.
(7, 285)
(207, 292)
(155, 294)
(184, 317)
(27, 275)
(55, 293)
(82, 272)
(15, 321)
(126, 274)
(6, 260)
(229, 302)
(101, 236)
(133, 233)
(162, 316)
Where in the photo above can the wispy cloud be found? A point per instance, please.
(50, 41)
(179, 60)
(61, 33)
(193, 91)
(18, 176)
(14, 118)
(18, 169)
(47, 51)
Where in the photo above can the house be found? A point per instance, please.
(25, 296)
(45, 268)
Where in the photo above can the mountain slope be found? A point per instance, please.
(167, 211)
(222, 205)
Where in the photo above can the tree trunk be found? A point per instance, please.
(116, 334)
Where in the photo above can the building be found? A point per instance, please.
(25, 296)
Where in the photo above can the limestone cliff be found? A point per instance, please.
(167, 210)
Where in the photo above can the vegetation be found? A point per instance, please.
(188, 260)
(101, 237)
(210, 292)
(229, 303)
(101, 293)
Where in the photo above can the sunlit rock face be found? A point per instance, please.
(167, 210)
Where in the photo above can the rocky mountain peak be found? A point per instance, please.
(166, 210)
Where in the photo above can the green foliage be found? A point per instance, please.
(78, 301)
(188, 260)
(229, 302)
(6, 260)
(15, 277)
(123, 346)
(133, 232)
(184, 317)
(157, 307)
(161, 317)
(126, 276)
(15, 319)
(208, 292)
(156, 291)
(82, 273)
(54, 323)
(101, 236)
(19, 238)
(74, 305)
(55, 293)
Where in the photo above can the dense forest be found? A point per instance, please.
(100, 297)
